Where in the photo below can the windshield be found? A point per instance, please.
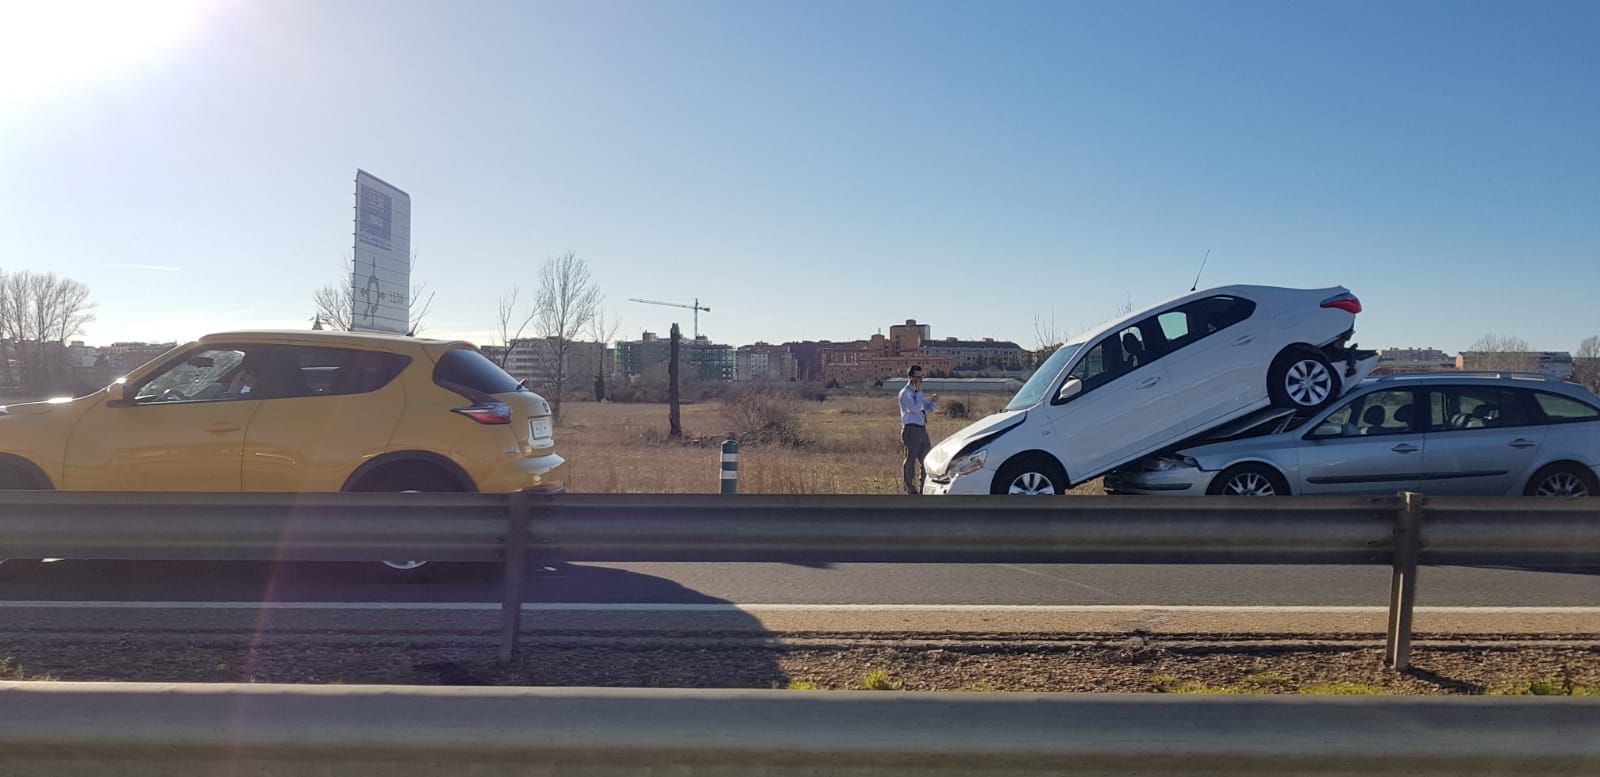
(1037, 386)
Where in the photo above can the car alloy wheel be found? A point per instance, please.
(1249, 484)
(1561, 483)
(1249, 479)
(1308, 382)
(1032, 484)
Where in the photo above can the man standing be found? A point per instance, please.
(914, 410)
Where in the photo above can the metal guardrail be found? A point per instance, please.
(1404, 531)
(66, 729)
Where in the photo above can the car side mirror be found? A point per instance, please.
(1070, 389)
(1327, 430)
(121, 395)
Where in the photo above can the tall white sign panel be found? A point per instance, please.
(381, 281)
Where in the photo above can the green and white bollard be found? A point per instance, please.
(730, 466)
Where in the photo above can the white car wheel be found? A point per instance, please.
(1302, 380)
(1030, 475)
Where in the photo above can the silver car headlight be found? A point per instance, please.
(968, 464)
(1166, 463)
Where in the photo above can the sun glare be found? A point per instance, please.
(49, 45)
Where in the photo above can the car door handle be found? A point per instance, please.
(222, 427)
(1246, 340)
(1405, 448)
(1521, 443)
(1148, 382)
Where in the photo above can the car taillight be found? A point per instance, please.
(485, 409)
(1346, 302)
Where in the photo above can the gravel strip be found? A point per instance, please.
(1131, 664)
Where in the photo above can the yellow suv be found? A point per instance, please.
(292, 411)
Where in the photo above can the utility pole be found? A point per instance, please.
(676, 431)
(696, 307)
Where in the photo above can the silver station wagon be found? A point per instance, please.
(1474, 434)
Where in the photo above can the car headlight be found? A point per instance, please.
(1165, 463)
(968, 464)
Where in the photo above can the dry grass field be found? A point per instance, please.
(851, 445)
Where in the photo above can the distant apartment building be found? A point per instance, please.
(1556, 364)
(808, 358)
(1393, 360)
(699, 358)
(985, 354)
(763, 362)
(535, 360)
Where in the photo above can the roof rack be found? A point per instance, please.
(1452, 374)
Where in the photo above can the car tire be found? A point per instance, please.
(1303, 380)
(1248, 480)
(408, 481)
(1562, 479)
(1033, 475)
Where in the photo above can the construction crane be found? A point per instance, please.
(695, 307)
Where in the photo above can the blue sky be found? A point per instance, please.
(819, 170)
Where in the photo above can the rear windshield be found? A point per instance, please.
(466, 367)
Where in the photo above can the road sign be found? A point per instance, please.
(381, 279)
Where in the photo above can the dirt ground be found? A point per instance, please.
(1133, 664)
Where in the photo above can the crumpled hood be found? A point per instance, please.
(939, 458)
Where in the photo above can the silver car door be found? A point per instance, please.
(1481, 441)
(1370, 445)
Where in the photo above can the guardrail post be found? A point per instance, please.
(1403, 587)
(730, 466)
(516, 564)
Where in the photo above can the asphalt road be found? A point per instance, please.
(832, 584)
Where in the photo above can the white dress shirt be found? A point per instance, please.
(914, 407)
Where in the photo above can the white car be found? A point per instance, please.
(1154, 378)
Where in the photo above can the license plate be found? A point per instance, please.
(539, 428)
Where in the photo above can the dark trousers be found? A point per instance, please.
(915, 438)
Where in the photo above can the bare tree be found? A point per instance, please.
(335, 302)
(566, 306)
(512, 325)
(603, 329)
(1500, 352)
(1586, 363)
(334, 305)
(39, 312)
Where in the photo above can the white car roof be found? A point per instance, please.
(1250, 292)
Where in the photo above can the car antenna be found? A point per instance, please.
(1202, 269)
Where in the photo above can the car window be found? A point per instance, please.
(1379, 412)
(470, 369)
(207, 374)
(304, 371)
(1037, 385)
(1475, 407)
(1135, 353)
(1192, 321)
(1100, 364)
(1559, 409)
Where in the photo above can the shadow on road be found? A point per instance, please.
(215, 635)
